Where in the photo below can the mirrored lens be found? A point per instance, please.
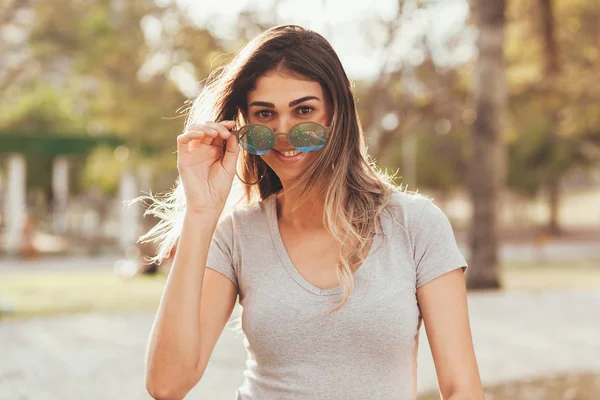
(308, 136)
(257, 139)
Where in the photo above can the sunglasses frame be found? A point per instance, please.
(236, 132)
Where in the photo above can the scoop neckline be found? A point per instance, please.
(289, 266)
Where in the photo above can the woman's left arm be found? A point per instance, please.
(443, 304)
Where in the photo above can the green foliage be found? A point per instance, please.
(536, 156)
(93, 70)
(440, 159)
(554, 120)
(41, 108)
(102, 170)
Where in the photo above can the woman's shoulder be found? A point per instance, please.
(244, 213)
(413, 208)
(408, 202)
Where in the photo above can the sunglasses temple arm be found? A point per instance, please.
(236, 133)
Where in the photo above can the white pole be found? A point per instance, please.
(60, 193)
(15, 206)
(129, 213)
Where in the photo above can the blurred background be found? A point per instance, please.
(491, 107)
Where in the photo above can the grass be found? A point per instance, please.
(551, 275)
(49, 293)
(564, 387)
(66, 292)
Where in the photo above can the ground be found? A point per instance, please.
(73, 329)
(517, 335)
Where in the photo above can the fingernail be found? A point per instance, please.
(213, 131)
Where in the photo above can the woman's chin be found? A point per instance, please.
(288, 176)
(288, 169)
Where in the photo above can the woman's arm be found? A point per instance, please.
(443, 304)
(195, 306)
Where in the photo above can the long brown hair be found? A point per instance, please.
(356, 192)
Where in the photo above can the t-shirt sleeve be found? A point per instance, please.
(435, 249)
(220, 252)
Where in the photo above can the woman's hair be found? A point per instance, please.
(356, 192)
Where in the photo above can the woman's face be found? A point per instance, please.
(281, 101)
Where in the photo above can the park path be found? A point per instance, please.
(559, 251)
(516, 335)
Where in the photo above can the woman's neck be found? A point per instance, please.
(308, 215)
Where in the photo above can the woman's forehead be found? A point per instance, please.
(280, 89)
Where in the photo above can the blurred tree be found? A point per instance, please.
(551, 71)
(95, 67)
(412, 110)
(436, 131)
(413, 96)
(439, 157)
(41, 107)
(554, 101)
(128, 67)
(487, 153)
(11, 20)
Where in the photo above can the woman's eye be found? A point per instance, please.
(263, 114)
(304, 110)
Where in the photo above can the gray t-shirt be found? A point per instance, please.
(365, 350)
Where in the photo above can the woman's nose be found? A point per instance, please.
(280, 132)
(281, 137)
(283, 126)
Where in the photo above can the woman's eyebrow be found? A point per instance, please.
(303, 99)
(292, 103)
(262, 104)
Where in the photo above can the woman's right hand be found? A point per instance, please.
(206, 179)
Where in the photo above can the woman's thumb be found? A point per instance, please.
(230, 156)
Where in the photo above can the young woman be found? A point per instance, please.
(335, 268)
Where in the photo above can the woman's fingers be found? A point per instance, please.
(206, 134)
(229, 124)
(222, 127)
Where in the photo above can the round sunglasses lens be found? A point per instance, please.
(257, 139)
(308, 136)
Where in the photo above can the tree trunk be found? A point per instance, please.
(553, 227)
(487, 168)
(551, 70)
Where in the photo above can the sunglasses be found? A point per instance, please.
(259, 139)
